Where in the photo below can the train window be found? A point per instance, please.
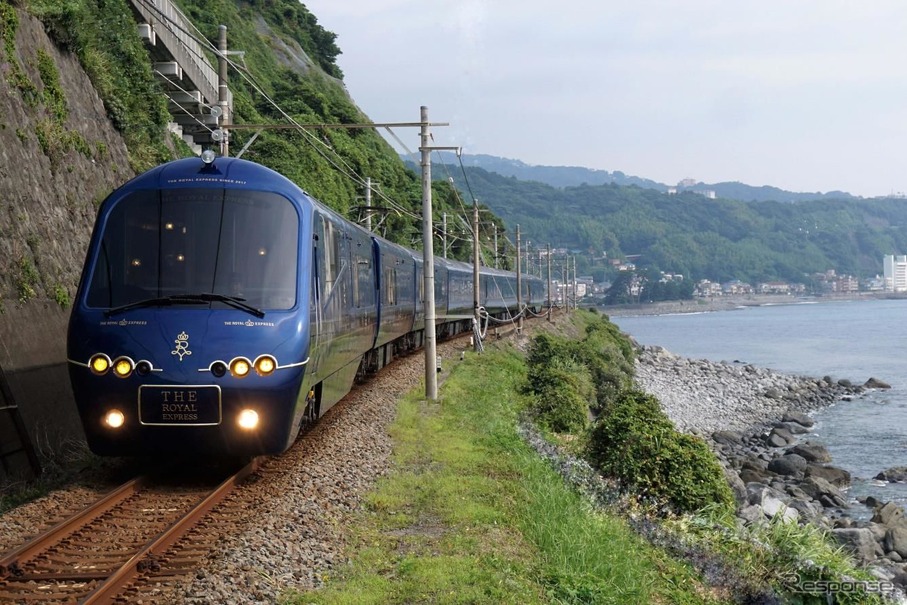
(191, 241)
(389, 294)
(330, 259)
(355, 282)
(365, 293)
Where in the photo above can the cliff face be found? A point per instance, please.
(59, 157)
(53, 171)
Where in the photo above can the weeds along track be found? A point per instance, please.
(124, 546)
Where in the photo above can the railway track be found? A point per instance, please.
(119, 548)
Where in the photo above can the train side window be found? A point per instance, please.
(355, 280)
(330, 243)
(389, 292)
(364, 290)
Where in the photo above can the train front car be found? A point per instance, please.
(189, 332)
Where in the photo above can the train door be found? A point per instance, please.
(327, 307)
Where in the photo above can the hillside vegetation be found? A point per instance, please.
(288, 71)
(701, 238)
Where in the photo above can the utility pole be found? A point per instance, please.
(428, 268)
(475, 270)
(528, 259)
(222, 89)
(564, 284)
(575, 297)
(368, 203)
(550, 302)
(444, 229)
(428, 259)
(495, 245)
(519, 284)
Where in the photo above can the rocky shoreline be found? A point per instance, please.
(757, 422)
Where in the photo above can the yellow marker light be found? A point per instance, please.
(114, 419)
(265, 365)
(240, 367)
(248, 419)
(123, 367)
(99, 364)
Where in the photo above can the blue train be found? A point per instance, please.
(220, 307)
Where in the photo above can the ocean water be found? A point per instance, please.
(848, 339)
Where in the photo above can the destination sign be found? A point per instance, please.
(179, 405)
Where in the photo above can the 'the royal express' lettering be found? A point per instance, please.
(179, 396)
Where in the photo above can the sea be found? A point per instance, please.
(855, 339)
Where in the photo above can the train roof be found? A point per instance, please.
(223, 171)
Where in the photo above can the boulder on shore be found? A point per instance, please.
(875, 383)
(896, 474)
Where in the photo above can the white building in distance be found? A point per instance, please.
(895, 273)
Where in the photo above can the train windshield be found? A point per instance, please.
(177, 242)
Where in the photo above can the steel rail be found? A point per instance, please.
(9, 564)
(108, 590)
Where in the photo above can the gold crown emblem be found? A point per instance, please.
(182, 336)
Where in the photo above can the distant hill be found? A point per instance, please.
(573, 176)
(687, 233)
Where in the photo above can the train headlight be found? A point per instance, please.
(122, 367)
(248, 419)
(114, 419)
(240, 367)
(218, 368)
(99, 364)
(265, 365)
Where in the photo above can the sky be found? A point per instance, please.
(805, 95)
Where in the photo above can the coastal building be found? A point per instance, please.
(707, 288)
(875, 284)
(735, 287)
(773, 287)
(846, 284)
(895, 273)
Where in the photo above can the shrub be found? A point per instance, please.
(563, 393)
(603, 359)
(543, 350)
(638, 445)
(61, 295)
(26, 280)
(611, 372)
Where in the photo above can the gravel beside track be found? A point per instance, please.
(27, 521)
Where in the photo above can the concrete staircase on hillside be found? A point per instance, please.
(177, 130)
(182, 68)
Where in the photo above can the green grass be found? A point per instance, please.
(469, 514)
